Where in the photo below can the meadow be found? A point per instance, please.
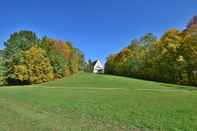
(91, 102)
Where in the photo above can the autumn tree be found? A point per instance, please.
(17, 43)
(169, 47)
(64, 58)
(26, 56)
(56, 56)
(172, 58)
(189, 57)
(33, 67)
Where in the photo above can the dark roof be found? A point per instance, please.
(93, 63)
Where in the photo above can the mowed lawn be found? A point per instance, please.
(90, 102)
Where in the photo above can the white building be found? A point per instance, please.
(98, 67)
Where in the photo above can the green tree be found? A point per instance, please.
(21, 40)
(148, 39)
(110, 64)
(56, 57)
(2, 71)
(89, 66)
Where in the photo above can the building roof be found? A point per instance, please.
(93, 63)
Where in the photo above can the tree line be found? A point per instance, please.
(171, 58)
(27, 59)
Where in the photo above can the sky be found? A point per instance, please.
(98, 27)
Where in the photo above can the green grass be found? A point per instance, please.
(90, 102)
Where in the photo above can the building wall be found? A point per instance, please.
(98, 67)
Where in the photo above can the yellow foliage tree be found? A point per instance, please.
(36, 67)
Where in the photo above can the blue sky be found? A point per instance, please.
(97, 27)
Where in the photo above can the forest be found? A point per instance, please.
(27, 59)
(172, 58)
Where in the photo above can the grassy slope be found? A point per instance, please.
(98, 102)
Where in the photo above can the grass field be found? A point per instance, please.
(89, 102)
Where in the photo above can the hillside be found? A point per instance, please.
(93, 102)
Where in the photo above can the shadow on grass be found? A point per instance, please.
(189, 88)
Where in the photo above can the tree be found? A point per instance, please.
(17, 43)
(56, 56)
(77, 60)
(169, 46)
(59, 56)
(89, 66)
(65, 59)
(110, 64)
(33, 68)
(148, 39)
(189, 54)
(172, 58)
(2, 71)
(147, 56)
(21, 40)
